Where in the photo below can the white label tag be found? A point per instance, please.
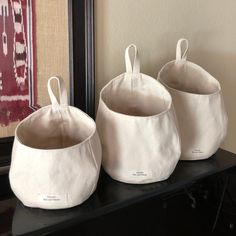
(49, 198)
(197, 151)
(139, 173)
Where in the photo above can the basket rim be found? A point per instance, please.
(55, 149)
(121, 76)
(196, 66)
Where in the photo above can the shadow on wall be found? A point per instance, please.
(223, 67)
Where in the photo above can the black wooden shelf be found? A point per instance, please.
(110, 196)
(5, 151)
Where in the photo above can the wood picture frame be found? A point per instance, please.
(81, 63)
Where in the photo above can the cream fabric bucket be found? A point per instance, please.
(137, 127)
(198, 103)
(56, 155)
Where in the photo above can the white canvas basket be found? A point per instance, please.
(198, 103)
(56, 155)
(137, 127)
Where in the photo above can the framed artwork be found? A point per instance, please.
(41, 38)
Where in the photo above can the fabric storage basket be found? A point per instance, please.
(137, 127)
(198, 104)
(56, 155)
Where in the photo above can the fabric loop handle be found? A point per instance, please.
(136, 64)
(63, 99)
(179, 55)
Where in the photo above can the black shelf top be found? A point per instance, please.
(109, 196)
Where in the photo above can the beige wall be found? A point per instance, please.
(155, 26)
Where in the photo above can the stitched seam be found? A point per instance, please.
(92, 154)
(62, 128)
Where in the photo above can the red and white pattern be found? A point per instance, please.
(18, 91)
(19, 44)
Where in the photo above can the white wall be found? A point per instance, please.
(155, 26)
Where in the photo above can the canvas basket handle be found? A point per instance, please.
(63, 100)
(179, 55)
(136, 64)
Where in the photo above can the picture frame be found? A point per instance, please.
(81, 65)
